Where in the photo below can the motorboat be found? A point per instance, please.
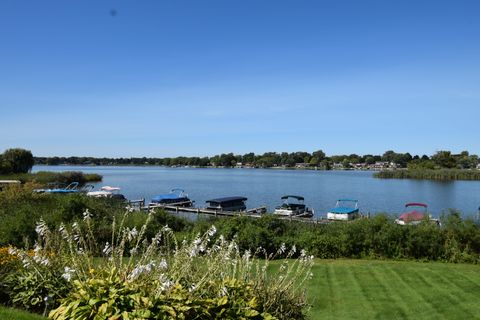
(176, 197)
(344, 210)
(235, 203)
(107, 192)
(415, 213)
(293, 206)
(71, 188)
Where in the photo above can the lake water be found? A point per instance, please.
(321, 189)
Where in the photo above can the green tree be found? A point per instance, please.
(319, 154)
(17, 160)
(444, 159)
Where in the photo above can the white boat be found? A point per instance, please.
(293, 206)
(344, 210)
(106, 192)
(416, 213)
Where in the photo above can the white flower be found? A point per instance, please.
(63, 231)
(211, 232)
(223, 291)
(197, 241)
(193, 252)
(87, 215)
(282, 248)
(68, 272)
(41, 228)
(132, 234)
(149, 267)
(165, 283)
(166, 228)
(163, 264)
(36, 249)
(136, 272)
(107, 249)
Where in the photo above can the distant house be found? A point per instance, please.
(301, 165)
(478, 166)
(359, 165)
(337, 165)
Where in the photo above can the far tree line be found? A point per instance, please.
(316, 159)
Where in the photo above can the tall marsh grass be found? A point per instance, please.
(430, 174)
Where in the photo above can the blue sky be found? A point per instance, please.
(169, 78)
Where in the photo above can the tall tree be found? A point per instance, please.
(18, 160)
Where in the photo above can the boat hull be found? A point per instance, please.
(342, 216)
(291, 213)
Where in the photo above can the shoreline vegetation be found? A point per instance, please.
(430, 174)
(443, 165)
(48, 177)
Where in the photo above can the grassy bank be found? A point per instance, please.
(365, 289)
(430, 174)
(44, 177)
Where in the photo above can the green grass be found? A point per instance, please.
(13, 314)
(368, 289)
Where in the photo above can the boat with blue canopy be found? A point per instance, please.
(71, 188)
(176, 197)
(293, 206)
(345, 209)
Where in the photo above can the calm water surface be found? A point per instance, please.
(266, 186)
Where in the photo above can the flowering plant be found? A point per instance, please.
(162, 277)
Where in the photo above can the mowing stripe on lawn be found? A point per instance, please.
(397, 308)
(426, 308)
(368, 295)
(445, 293)
(373, 289)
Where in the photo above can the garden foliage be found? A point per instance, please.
(158, 277)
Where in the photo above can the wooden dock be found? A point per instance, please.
(252, 213)
(255, 213)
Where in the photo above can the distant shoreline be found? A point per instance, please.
(413, 174)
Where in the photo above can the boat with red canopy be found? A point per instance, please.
(415, 213)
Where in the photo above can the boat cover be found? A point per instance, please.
(343, 210)
(227, 199)
(292, 196)
(412, 216)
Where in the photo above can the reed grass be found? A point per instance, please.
(430, 174)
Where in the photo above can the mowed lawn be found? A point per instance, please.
(369, 289)
(13, 314)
